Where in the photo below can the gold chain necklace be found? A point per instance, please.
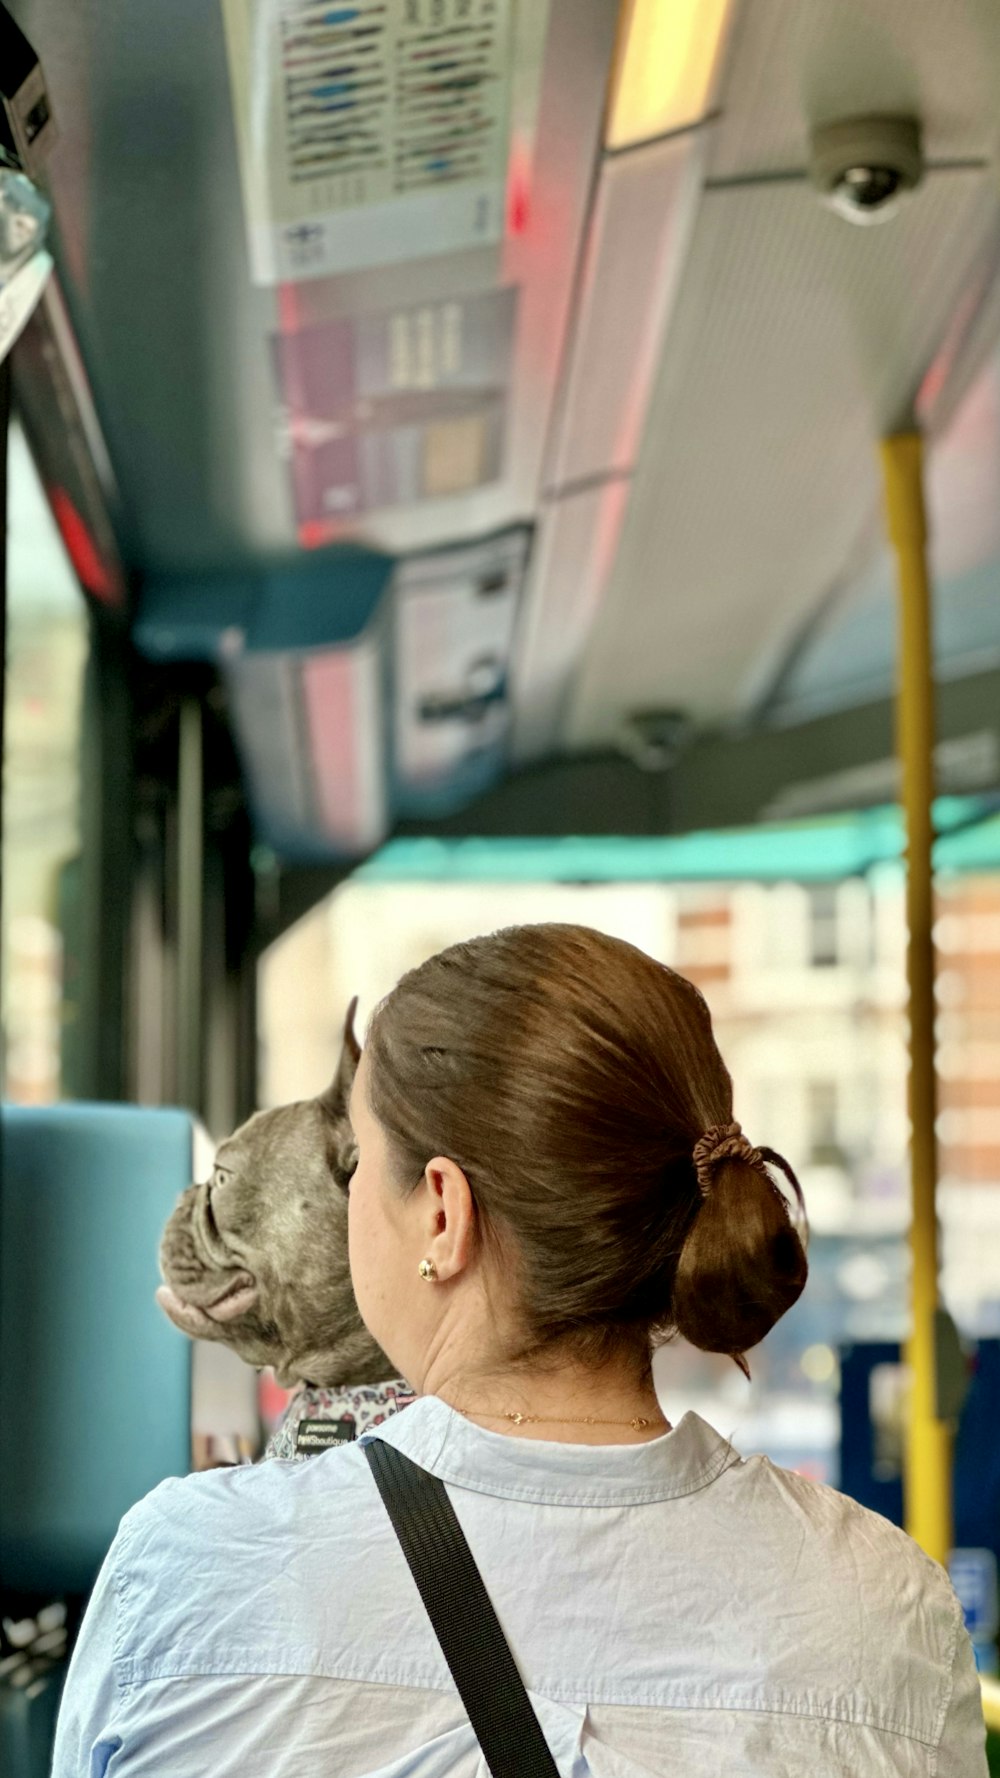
(638, 1424)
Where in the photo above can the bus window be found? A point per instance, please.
(47, 641)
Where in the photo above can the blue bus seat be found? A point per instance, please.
(95, 1385)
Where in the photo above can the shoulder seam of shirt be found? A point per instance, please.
(119, 1658)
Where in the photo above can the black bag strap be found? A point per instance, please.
(464, 1621)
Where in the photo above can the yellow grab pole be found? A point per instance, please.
(927, 1459)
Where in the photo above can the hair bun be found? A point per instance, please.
(743, 1262)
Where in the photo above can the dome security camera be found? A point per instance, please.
(863, 167)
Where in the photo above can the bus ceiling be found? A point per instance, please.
(487, 391)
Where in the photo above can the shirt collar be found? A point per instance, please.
(441, 1440)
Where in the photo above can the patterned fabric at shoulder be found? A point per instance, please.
(318, 1418)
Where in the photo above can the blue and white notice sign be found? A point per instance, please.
(974, 1578)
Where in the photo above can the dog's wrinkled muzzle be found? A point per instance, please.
(199, 1293)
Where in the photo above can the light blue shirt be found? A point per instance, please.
(673, 1609)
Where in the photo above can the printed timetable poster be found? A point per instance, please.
(369, 133)
(384, 410)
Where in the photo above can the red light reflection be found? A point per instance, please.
(90, 569)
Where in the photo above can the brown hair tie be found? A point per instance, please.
(723, 1142)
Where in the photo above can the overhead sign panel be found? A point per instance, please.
(390, 409)
(369, 133)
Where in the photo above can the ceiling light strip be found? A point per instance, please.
(666, 64)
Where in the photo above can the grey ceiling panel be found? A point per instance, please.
(850, 655)
(797, 340)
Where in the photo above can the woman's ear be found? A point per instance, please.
(452, 1208)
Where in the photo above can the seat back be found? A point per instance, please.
(95, 1385)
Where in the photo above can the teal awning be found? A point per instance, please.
(823, 850)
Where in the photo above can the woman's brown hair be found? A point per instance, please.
(570, 1076)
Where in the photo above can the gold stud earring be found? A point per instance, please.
(427, 1270)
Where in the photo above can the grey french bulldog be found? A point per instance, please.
(256, 1257)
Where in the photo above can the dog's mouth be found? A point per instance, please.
(208, 1287)
(239, 1295)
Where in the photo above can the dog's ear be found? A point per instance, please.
(334, 1099)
